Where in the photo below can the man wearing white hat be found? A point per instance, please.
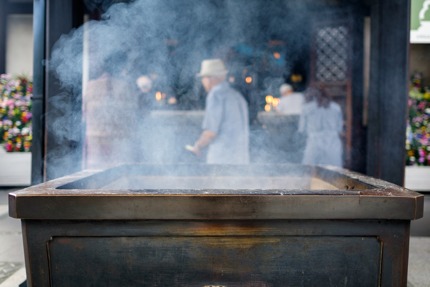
(291, 102)
(226, 122)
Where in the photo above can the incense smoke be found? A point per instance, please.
(167, 40)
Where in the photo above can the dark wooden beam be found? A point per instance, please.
(3, 29)
(20, 8)
(38, 107)
(358, 132)
(57, 148)
(63, 105)
(388, 89)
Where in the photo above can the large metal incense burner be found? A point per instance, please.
(192, 225)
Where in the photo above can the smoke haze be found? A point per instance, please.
(169, 39)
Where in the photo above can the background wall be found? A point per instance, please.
(419, 60)
(19, 55)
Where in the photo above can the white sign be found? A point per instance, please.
(420, 21)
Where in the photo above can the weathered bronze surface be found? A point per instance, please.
(292, 192)
(140, 226)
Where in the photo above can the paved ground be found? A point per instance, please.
(421, 227)
(12, 271)
(419, 262)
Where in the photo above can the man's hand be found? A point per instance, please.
(194, 149)
(204, 140)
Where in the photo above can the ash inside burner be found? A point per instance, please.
(206, 179)
(219, 183)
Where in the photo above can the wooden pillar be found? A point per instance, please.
(3, 29)
(358, 131)
(388, 89)
(19, 8)
(57, 148)
(38, 108)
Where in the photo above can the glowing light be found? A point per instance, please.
(267, 108)
(277, 55)
(158, 96)
(248, 80)
(295, 78)
(269, 99)
(275, 102)
(172, 101)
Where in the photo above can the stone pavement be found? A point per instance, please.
(419, 262)
(12, 271)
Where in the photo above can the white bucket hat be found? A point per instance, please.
(212, 67)
(285, 88)
(144, 83)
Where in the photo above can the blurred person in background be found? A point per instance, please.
(110, 115)
(322, 122)
(226, 122)
(290, 102)
(145, 94)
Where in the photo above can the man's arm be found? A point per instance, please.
(211, 123)
(204, 140)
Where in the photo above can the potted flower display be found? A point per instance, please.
(15, 113)
(418, 136)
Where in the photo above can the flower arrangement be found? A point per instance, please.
(418, 128)
(15, 113)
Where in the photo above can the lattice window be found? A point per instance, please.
(332, 54)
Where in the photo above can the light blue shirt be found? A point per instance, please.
(322, 127)
(226, 115)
